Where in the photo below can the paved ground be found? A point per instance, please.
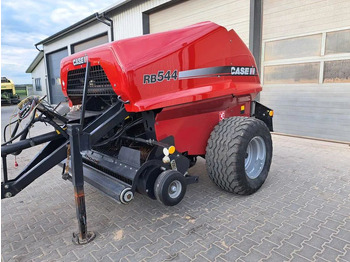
(300, 214)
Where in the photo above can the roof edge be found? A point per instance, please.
(68, 29)
(35, 62)
(82, 22)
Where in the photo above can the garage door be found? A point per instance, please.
(306, 68)
(95, 41)
(53, 61)
(228, 13)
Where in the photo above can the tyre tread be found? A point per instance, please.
(223, 156)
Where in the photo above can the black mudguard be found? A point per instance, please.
(263, 113)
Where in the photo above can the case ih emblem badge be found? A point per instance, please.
(242, 70)
(218, 71)
(80, 60)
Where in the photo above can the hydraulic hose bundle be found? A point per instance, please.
(29, 107)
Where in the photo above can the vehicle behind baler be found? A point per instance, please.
(148, 107)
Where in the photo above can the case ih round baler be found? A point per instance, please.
(144, 109)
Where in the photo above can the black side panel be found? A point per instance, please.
(262, 112)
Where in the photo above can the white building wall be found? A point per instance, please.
(128, 19)
(285, 18)
(39, 72)
(90, 30)
(232, 14)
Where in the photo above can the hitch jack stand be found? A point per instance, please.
(83, 236)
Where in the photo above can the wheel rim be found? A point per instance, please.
(174, 189)
(255, 157)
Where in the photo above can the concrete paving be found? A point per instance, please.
(300, 214)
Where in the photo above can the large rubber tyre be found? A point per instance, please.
(163, 187)
(228, 163)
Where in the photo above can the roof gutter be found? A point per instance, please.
(103, 19)
(87, 20)
(36, 46)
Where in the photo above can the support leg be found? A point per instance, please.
(83, 236)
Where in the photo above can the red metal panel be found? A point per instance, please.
(191, 124)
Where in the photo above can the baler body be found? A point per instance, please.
(197, 75)
(150, 105)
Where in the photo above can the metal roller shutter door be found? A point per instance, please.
(315, 106)
(228, 13)
(53, 61)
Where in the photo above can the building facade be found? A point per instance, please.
(302, 49)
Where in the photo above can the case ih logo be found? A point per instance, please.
(242, 70)
(80, 60)
(218, 71)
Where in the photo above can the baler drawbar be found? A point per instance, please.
(141, 111)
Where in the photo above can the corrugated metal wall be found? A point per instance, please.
(128, 18)
(232, 14)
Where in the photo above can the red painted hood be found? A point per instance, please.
(138, 68)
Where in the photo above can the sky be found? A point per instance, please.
(27, 22)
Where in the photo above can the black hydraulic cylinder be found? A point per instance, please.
(30, 142)
(83, 236)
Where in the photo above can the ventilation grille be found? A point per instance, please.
(98, 82)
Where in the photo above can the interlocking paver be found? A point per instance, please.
(253, 255)
(307, 251)
(296, 240)
(117, 255)
(213, 252)
(299, 258)
(316, 241)
(285, 249)
(337, 244)
(233, 254)
(301, 212)
(275, 257)
(265, 247)
(329, 253)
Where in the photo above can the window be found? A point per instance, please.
(293, 47)
(338, 42)
(321, 58)
(38, 84)
(5, 80)
(337, 71)
(290, 74)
